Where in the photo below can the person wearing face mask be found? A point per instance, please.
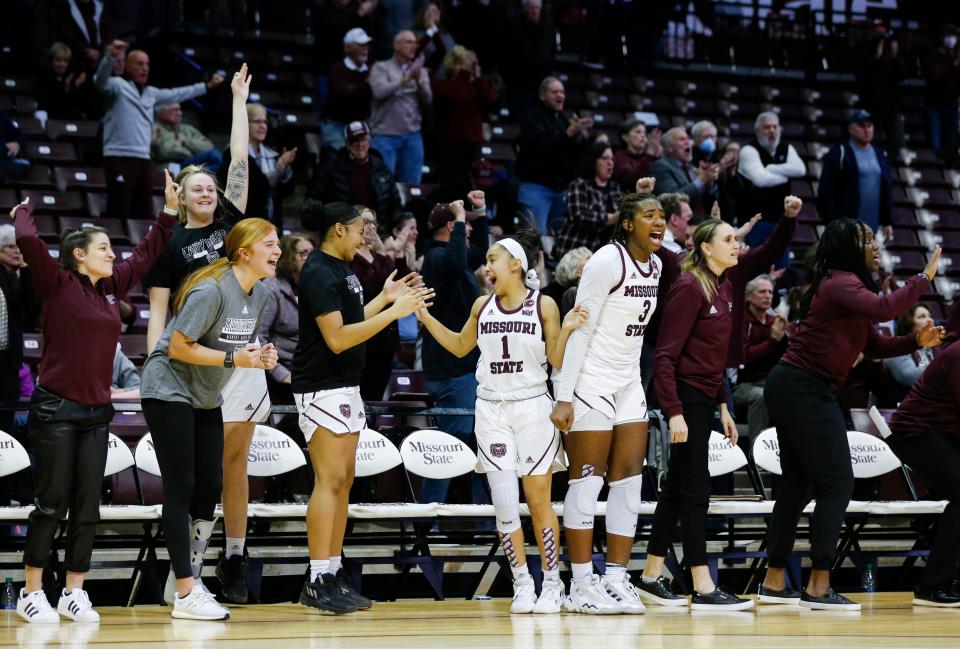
(704, 134)
(942, 68)
(675, 172)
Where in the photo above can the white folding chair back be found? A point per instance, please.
(723, 457)
(870, 455)
(146, 456)
(435, 454)
(766, 451)
(375, 454)
(272, 452)
(880, 423)
(119, 457)
(13, 457)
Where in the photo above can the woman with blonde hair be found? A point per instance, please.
(217, 313)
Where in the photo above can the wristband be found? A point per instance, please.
(228, 360)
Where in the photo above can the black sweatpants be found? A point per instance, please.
(815, 460)
(189, 444)
(129, 187)
(936, 457)
(686, 491)
(69, 445)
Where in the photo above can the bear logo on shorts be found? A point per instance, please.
(345, 409)
(498, 449)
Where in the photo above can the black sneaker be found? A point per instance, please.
(231, 571)
(786, 595)
(349, 590)
(658, 592)
(829, 601)
(719, 600)
(324, 593)
(943, 597)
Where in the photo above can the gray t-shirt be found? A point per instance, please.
(216, 315)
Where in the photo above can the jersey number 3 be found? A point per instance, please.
(638, 329)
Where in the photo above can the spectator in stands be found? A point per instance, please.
(12, 164)
(349, 92)
(674, 174)
(856, 181)
(764, 342)
(372, 265)
(905, 370)
(59, 89)
(704, 135)
(592, 202)
(279, 323)
(16, 294)
(878, 84)
(767, 165)
(86, 27)
(677, 212)
(130, 104)
(401, 88)
(567, 274)
(550, 145)
(454, 252)
(942, 94)
(271, 173)
(632, 162)
(433, 41)
(461, 100)
(183, 144)
(356, 174)
(125, 383)
(403, 241)
(527, 57)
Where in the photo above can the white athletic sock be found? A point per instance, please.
(335, 564)
(318, 567)
(519, 571)
(648, 580)
(235, 546)
(551, 575)
(616, 571)
(581, 571)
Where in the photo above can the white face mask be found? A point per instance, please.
(950, 42)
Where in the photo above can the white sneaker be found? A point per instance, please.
(551, 597)
(200, 604)
(524, 595)
(76, 606)
(588, 596)
(625, 593)
(34, 607)
(170, 588)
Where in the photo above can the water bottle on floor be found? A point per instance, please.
(869, 580)
(8, 598)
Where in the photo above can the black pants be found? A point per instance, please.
(189, 444)
(815, 459)
(686, 491)
(129, 187)
(69, 445)
(936, 457)
(377, 369)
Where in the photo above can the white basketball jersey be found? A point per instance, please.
(612, 360)
(513, 356)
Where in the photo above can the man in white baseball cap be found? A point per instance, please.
(349, 93)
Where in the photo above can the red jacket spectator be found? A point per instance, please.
(460, 104)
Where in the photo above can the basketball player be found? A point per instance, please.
(602, 408)
(327, 367)
(518, 331)
(802, 392)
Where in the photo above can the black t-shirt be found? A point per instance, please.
(327, 284)
(191, 248)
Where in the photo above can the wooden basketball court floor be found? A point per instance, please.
(887, 620)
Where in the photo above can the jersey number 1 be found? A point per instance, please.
(506, 348)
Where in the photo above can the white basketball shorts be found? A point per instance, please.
(245, 397)
(517, 436)
(339, 410)
(595, 412)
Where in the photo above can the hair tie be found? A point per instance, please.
(532, 280)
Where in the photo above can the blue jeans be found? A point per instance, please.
(759, 234)
(211, 159)
(458, 392)
(403, 154)
(333, 134)
(943, 124)
(545, 204)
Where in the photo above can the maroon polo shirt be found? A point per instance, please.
(81, 321)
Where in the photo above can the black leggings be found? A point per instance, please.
(815, 460)
(69, 445)
(189, 444)
(686, 491)
(936, 457)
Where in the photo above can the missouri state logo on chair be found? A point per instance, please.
(435, 454)
(723, 457)
(375, 454)
(272, 452)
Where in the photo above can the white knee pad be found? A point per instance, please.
(580, 505)
(623, 506)
(505, 493)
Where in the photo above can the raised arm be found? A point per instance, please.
(159, 309)
(44, 269)
(340, 337)
(238, 174)
(458, 344)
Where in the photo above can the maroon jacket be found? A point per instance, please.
(350, 94)
(629, 168)
(839, 326)
(81, 321)
(460, 105)
(760, 351)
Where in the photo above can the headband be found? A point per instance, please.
(530, 279)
